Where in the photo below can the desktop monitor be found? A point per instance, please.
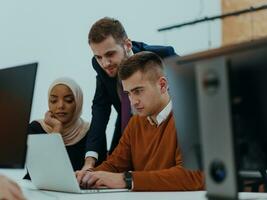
(182, 88)
(220, 101)
(16, 92)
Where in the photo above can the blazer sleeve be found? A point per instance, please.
(162, 51)
(101, 109)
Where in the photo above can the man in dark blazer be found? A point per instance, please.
(110, 45)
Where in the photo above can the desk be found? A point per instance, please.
(32, 193)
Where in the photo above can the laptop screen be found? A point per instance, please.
(16, 92)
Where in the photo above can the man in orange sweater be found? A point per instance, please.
(147, 157)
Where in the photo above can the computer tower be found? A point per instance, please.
(230, 86)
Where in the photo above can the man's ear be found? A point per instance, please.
(163, 84)
(128, 45)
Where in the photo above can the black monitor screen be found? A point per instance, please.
(16, 92)
(248, 98)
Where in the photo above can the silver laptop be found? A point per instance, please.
(50, 168)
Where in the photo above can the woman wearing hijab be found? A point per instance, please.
(65, 100)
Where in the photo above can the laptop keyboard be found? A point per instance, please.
(103, 190)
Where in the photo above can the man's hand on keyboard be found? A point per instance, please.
(100, 179)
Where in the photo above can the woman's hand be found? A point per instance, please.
(53, 122)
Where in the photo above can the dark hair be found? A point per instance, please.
(104, 28)
(145, 62)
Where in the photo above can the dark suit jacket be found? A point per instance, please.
(106, 95)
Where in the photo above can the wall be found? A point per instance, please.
(244, 27)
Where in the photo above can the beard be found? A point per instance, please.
(113, 69)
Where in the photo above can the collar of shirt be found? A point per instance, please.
(161, 116)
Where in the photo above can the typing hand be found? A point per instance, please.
(88, 166)
(102, 179)
(89, 163)
(9, 190)
(53, 122)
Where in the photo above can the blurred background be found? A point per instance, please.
(54, 34)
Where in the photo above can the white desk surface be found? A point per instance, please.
(32, 193)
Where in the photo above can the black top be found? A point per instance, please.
(76, 152)
(106, 95)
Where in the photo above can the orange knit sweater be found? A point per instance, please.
(152, 154)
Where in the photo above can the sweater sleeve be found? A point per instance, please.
(120, 160)
(176, 178)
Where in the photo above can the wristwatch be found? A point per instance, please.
(128, 179)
